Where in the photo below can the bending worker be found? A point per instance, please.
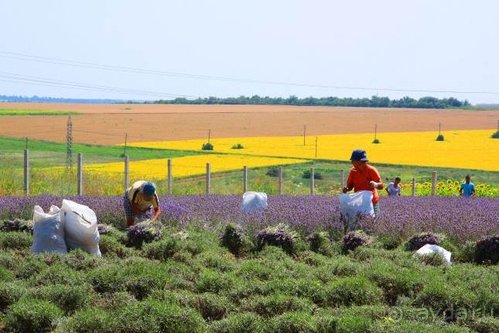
(364, 177)
(138, 201)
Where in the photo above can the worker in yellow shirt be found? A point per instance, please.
(138, 201)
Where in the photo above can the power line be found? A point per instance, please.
(127, 69)
(26, 79)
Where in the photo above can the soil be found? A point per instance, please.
(108, 123)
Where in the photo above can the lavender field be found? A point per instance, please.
(459, 218)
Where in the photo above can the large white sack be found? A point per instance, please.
(429, 249)
(80, 227)
(352, 204)
(254, 202)
(48, 231)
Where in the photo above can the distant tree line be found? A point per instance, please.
(38, 99)
(374, 101)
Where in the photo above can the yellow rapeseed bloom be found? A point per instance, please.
(465, 149)
(188, 165)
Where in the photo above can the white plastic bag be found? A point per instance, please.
(430, 249)
(48, 231)
(254, 202)
(80, 227)
(360, 202)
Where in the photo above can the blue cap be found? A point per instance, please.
(359, 155)
(149, 189)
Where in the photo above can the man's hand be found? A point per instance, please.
(345, 189)
(373, 184)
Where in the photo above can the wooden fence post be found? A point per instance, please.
(413, 187)
(245, 179)
(280, 181)
(80, 174)
(127, 170)
(342, 178)
(169, 167)
(312, 181)
(208, 178)
(434, 183)
(26, 172)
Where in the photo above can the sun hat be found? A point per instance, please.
(149, 189)
(359, 155)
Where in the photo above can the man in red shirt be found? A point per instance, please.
(364, 177)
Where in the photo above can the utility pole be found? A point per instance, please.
(209, 135)
(124, 150)
(69, 145)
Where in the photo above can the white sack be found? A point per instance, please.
(48, 231)
(254, 202)
(430, 249)
(80, 227)
(352, 204)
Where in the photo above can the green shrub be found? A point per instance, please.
(30, 267)
(292, 322)
(9, 260)
(355, 290)
(466, 253)
(112, 301)
(15, 240)
(32, 316)
(207, 146)
(342, 266)
(487, 250)
(213, 281)
(238, 146)
(273, 171)
(390, 241)
(233, 238)
(107, 279)
(485, 325)
(448, 301)
(408, 326)
(161, 250)
(67, 297)
(307, 174)
(440, 137)
(217, 261)
(238, 323)
(212, 306)
(5, 274)
(395, 281)
(110, 246)
(10, 293)
(154, 316)
(58, 274)
(376, 141)
(271, 305)
(418, 241)
(320, 243)
(88, 321)
(80, 260)
(354, 324)
(354, 239)
(495, 135)
(280, 235)
(312, 258)
(433, 259)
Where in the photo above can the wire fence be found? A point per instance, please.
(302, 179)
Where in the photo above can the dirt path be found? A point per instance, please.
(108, 123)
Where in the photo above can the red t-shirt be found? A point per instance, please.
(359, 180)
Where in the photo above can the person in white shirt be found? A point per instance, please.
(393, 188)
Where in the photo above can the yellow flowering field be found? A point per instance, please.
(465, 149)
(188, 165)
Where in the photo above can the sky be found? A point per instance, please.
(148, 49)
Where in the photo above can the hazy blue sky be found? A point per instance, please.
(450, 45)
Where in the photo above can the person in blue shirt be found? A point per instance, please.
(467, 188)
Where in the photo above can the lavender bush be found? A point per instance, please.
(354, 239)
(418, 241)
(487, 250)
(459, 218)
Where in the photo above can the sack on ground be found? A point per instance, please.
(48, 231)
(80, 227)
(353, 204)
(254, 202)
(430, 249)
